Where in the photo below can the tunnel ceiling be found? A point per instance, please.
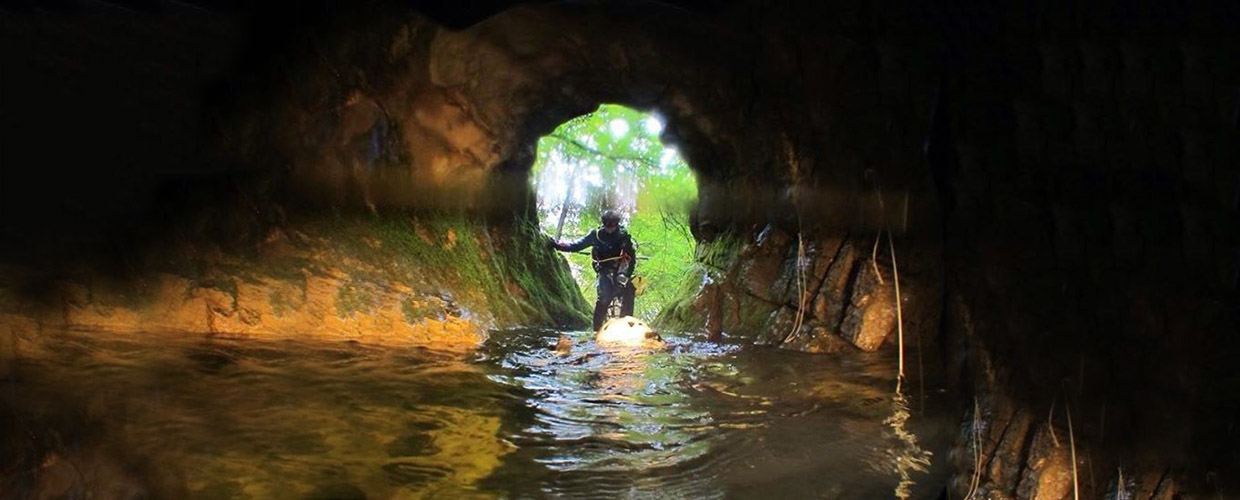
(450, 107)
(428, 108)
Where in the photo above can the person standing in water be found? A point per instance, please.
(614, 262)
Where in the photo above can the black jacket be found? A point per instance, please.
(606, 246)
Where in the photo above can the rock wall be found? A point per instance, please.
(437, 280)
(1091, 162)
(1045, 169)
(809, 293)
(1078, 166)
(325, 188)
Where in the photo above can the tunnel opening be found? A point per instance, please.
(613, 159)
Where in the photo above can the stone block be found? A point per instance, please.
(871, 313)
(828, 304)
(1048, 469)
(814, 337)
(766, 264)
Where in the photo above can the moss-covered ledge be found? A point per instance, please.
(394, 277)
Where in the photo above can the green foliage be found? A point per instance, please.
(714, 260)
(492, 268)
(668, 247)
(613, 159)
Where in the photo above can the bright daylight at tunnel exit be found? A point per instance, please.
(613, 159)
(837, 249)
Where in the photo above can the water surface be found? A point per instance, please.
(254, 419)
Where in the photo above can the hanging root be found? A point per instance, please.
(976, 481)
(882, 209)
(1050, 422)
(801, 283)
(895, 273)
(1076, 485)
(794, 165)
(874, 257)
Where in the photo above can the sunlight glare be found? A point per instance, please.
(625, 330)
(653, 125)
(668, 156)
(618, 128)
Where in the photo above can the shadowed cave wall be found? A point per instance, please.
(1060, 183)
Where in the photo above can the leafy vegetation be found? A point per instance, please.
(714, 259)
(498, 271)
(613, 159)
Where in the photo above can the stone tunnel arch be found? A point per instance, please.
(467, 107)
(781, 163)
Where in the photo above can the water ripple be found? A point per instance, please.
(285, 419)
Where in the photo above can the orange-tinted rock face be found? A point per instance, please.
(319, 308)
(399, 281)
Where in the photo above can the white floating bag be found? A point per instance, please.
(625, 330)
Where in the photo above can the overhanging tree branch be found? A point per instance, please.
(613, 157)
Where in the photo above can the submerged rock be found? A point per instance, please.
(564, 345)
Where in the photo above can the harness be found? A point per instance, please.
(609, 259)
(603, 247)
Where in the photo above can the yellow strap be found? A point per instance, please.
(639, 285)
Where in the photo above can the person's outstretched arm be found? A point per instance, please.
(576, 246)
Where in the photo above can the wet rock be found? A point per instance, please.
(832, 296)
(1048, 469)
(1000, 468)
(871, 313)
(564, 345)
(783, 321)
(815, 337)
(764, 270)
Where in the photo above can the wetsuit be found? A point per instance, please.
(607, 253)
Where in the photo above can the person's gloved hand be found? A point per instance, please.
(551, 243)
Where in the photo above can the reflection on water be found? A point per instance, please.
(906, 454)
(167, 416)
